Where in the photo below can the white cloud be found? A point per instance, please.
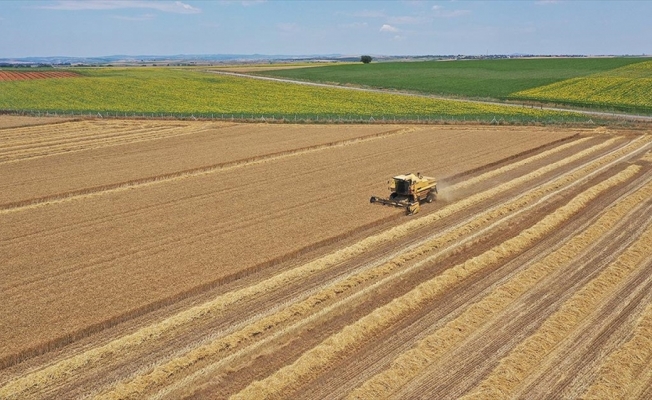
(388, 28)
(546, 2)
(176, 7)
(436, 7)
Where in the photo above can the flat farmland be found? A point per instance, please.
(175, 259)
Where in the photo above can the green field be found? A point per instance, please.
(165, 92)
(627, 88)
(495, 79)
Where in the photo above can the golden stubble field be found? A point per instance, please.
(214, 259)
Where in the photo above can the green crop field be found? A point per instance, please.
(496, 79)
(164, 91)
(627, 88)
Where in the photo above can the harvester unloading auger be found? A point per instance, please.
(408, 191)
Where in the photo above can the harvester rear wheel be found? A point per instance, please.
(431, 197)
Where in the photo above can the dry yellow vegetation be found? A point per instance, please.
(217, 260)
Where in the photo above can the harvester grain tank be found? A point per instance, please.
(408, 191)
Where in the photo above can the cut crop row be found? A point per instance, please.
(624, 369)
(450, 238)
(67, 367)
(521, 361)
(338, 289)
(315, 360)
(412, 362)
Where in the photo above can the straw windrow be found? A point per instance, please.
(311, 363)
(621, 372)
(413, 362)
(66, 368)
(504, 380)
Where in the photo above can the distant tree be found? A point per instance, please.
(366, 59)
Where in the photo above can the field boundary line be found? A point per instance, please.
(219, 167)
(513, 368)
(287, 378)
(428, 350)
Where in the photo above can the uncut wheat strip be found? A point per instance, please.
(413, 362)
(513, 368)
(200, 171)
(622, 369)
(64, 130)
(312, 362)
(518, 164)
(67, 367)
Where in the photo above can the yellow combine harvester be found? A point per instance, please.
(408, 191)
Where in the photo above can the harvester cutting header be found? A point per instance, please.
(408, 191)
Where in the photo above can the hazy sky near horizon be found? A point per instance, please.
(89, 28)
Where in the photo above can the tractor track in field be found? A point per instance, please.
(326, 319)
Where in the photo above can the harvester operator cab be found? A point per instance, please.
(402, 187)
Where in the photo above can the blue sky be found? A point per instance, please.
(109, 27)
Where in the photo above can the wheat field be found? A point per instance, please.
(199, 259)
